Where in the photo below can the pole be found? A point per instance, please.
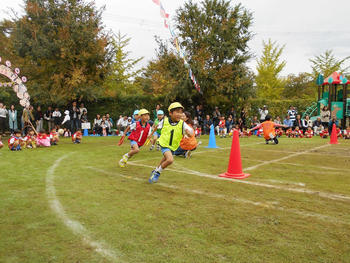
(319, 92)
(345, 95)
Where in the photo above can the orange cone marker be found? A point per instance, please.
(234, 170)
(334, 137)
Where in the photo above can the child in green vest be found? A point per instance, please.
(160, 116)
(172, 131)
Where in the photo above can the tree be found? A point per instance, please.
(299, 86)
(269, 83)
(214, 35)
(62, 48)
(327, 63)
(123, 73)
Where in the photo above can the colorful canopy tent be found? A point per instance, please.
(336, 78)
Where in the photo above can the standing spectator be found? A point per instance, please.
(206, 124)
(298, 122)
(110, 122)
(199, 114)
(263, 113)
(74, 117)
(216, 116)
(292, 113)
(317, 126)
(97, 125)
(39, 119)
(48, 117)
(66, 121)
(123, 125)
(56, 115)
(3, 113)
(240, 124)
(243, 116)
(12, 119)
(155, 111)
(229, 124)
(232, 113)
(81, 109)
(325, 116)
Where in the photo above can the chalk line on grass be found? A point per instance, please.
(269, 205)
(75, 226)
(279, 187)
(285, 157)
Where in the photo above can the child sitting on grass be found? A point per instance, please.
(289, 132)
(347, 133)
(54, 137)
(43, 139)
(138, 136)
(298, 133)
(279, 132)
(30, 139)
(173, 129)
(324, 134)
(77, 136)
(14, 143)
(309, 133)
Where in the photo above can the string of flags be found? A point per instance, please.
(167, 25)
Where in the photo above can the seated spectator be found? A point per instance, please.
(97, 125)
(84, 117)
(240, 124)
(317, 126)
(206, 124)
(307, 123)
(347, 133)
(298, 123)
(288, 122)
(330, 124)
(278, 120)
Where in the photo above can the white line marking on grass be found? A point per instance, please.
(75, 226)
(269, 205)
(289, 189)
(284, 158)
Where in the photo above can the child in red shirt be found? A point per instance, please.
(77, 136)
(339, 133)
(43, 139)
(279, 132)
(14, 143)
(324, 134)
(309, 133)
(30, 140)
(1, 144)
(298, 133)
(347, 133)
(54, 137)
(222, 127)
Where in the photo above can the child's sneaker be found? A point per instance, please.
(158, 147)
(123, 161)
(275, 140)
(154, 177)
(151, 148)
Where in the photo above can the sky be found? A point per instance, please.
(306, 27)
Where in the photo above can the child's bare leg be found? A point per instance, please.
(134, 150)
(167, 160)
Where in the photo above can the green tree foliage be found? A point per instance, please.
(300, 86)
(269, 83)
(214, 35)
(121, 80)
(327, 63)
(63, 49)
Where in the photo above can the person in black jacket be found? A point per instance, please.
(74, 117)
(298, 123)
(206, 124)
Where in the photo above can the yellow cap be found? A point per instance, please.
(143, 111)
(175, 105)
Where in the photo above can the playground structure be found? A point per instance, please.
(332, 92)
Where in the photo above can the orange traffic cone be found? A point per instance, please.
(234, 170)
(334, 137)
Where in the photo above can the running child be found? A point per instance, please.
(138, 136)
(173, 129)
(160, 116)
(14, 143)
(268, 127)
(77, 136)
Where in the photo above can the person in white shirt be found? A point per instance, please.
(66, 120)
(3, 114)
(56, 115)
(263, 113)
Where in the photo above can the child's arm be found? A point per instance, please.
(256, 127)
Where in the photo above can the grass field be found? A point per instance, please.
(72, 203)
